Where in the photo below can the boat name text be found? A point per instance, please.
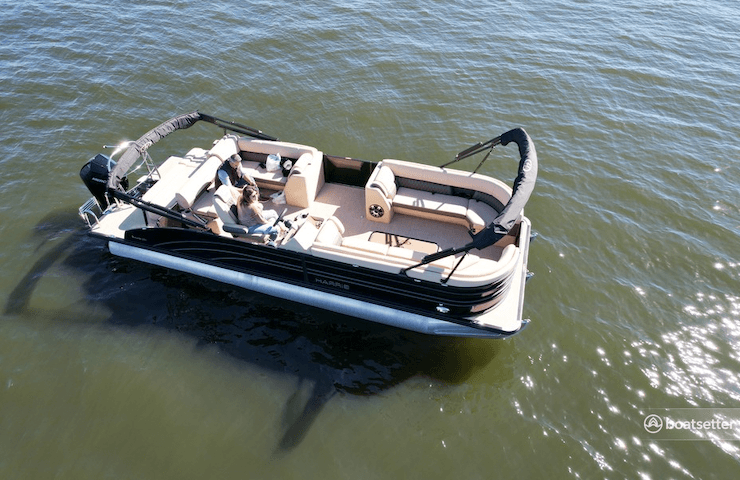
(332, 283)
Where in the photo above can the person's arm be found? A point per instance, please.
(224, 177)
(257, 209)
(246, 176)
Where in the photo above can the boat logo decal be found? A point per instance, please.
(332, 283)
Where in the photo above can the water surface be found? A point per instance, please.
(110, 368)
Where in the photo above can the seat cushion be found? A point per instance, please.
(444, 205)
(385, 180)
(225, 148)
(479, 215)
(330, 232)
(223, 200)
(199, 180)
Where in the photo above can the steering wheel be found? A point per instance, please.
(280, 217)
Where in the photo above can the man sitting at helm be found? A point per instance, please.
(232, 173)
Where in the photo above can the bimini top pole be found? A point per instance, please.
(477, 148)
(137, 148)
(522, 189)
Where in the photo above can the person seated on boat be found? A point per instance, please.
(252, 215)
(232, 173)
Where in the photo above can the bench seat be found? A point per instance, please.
(175, 171)
(330, 243)
(431, 205)
(305, 178)
(267, 180)
(446, 195)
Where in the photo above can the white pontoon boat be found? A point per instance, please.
(424, 248)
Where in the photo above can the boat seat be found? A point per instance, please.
(330, 232)
(430, 192)
(225, 148)
(184, 186)
(305, 178)
(479, 214)
(384, 197)
(198, 182)
(422, 204)
(224, 202)
(204, 175)
(179, 170)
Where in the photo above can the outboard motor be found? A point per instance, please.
(95, 175)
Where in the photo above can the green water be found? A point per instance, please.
(112, 369)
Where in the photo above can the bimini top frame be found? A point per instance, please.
(523, 187)
(140, 146)
(117, 184)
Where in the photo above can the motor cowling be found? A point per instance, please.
(94, 175)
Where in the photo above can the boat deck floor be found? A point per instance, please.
(347, 203)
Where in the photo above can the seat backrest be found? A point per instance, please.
(330, 232)
(384, 180)
(198, 182)
(225, 148)
(223, 201)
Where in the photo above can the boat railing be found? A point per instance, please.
(152, 170)
(89, 211)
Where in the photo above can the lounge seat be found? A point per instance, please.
(330, 232)
(430, 204)
(224, 202)
(446, 195)
(205, 174)
(305, 179)
(198, 182)
(175, 171)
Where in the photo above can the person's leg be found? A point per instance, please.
(265, 228)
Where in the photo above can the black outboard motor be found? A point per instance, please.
(95, 175)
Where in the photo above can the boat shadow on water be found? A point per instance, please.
(328, 353)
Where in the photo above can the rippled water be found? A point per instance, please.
(115, 369)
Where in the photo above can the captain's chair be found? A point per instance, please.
(225, 205)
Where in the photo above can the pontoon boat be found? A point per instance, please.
(420, 247)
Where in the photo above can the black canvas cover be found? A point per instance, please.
(522, 189)
(154, 135)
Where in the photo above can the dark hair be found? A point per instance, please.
(247, 193)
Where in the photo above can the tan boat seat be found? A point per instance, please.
(224, 202)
